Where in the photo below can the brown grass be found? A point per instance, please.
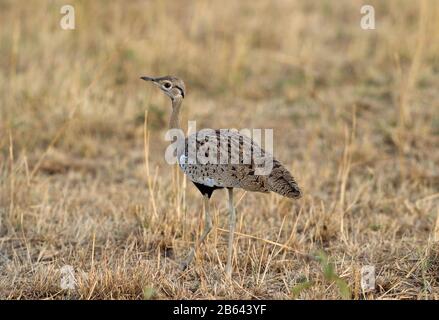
(355, 116)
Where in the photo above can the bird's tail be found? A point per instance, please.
(282, 182)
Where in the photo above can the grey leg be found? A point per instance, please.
(232, 222)
(207, 228)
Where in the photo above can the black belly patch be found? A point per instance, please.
(206, 190)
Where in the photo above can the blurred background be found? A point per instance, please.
(355, 115)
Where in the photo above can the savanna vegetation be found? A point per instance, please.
(84, 183)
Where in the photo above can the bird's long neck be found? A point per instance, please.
(174, 122)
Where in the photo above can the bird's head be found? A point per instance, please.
(172, 86)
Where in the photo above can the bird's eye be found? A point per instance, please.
(167, 85)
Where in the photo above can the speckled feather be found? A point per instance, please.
(212, 173)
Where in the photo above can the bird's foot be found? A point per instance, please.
(185, 263)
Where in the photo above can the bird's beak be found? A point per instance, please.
(154, 80)
(147, 78)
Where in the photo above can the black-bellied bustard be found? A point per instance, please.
(220, 168)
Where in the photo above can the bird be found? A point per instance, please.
(212, 174)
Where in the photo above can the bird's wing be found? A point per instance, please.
(224, 158)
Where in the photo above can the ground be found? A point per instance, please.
(355, 115)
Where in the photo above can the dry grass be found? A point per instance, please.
(356, 119)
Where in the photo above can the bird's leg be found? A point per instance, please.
(207, 228)
(232, 222)
(207, 221)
